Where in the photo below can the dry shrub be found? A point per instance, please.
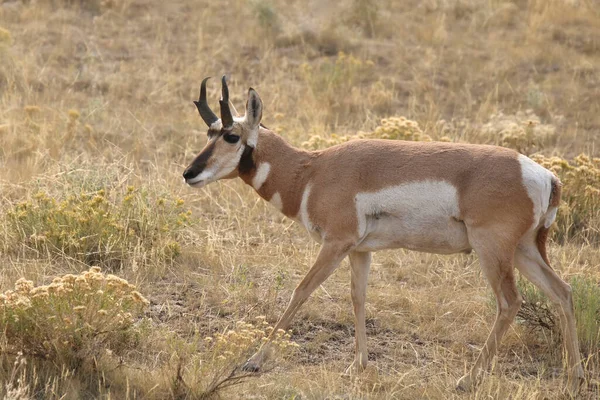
(74, 319)
(114, 229)
(395, 128)
(228, 351)
(522, 131)
(536, 312)
(205, 372)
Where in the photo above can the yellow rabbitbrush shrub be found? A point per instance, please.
(123, 226)
(394, 128)
(523, 131)
(73, 319)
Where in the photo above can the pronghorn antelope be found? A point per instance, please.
(367, 195)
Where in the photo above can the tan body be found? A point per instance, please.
(367, 195)
(332, 201)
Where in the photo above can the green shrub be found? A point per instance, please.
(539, 314)
(586, 299)
(267, 16)
(364, 14)
(110, 229)
(340, 83)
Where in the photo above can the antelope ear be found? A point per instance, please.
(254, 108)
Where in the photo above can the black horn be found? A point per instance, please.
(226, 117)
(205, 112)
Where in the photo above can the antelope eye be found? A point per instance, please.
(229, 138)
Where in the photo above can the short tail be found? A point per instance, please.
(549, 217)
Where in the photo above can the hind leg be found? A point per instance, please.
(497, 265)
(532, 265)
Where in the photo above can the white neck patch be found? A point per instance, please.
(303, 214)
(276, 201)
(262, 173)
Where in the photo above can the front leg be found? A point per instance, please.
(329, 258)
(359, 266)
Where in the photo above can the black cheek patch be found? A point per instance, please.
(246, 161)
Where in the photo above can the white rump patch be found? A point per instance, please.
(550, 217)
(262, 172)
(538, 182)
(276, 201)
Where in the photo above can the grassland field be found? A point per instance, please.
(120, 282)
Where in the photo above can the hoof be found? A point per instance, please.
(251, 366)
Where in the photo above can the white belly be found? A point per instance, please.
(421, 216)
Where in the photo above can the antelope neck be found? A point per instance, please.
(279, 172)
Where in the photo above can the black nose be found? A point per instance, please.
(189, 173)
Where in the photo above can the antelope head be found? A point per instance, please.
(230, 138)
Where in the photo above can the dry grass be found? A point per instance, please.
(96, 95)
